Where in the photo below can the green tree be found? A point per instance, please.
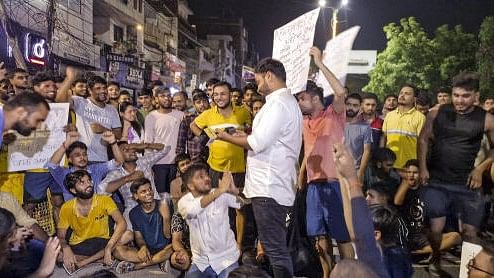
(412, 57)
(485, 56)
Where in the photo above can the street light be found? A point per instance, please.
(334, 19)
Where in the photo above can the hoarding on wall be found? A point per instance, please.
(247, 74)
(174, 64)
(124, 70)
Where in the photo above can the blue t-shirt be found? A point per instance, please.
(398, 262)
(150, 225)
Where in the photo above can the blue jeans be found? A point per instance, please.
(194, 272)
(271, 228)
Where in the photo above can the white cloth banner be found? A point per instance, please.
(336, 56)
(468, 252)
(32, 152)
(291, 46)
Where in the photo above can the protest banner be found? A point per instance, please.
(291, 46)
(468, 252)
(32, 152)
(336, 56)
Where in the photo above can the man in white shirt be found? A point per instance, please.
(272, 161)
(214, 249)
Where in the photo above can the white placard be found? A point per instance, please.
(468, 251)
(291, 46)
(336, 56)
(32, 152)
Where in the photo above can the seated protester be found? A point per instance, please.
(87, 216)
(183, 162)
(27, 258)
(409, 201)
(151, 223)
(133, 168)
(76, 153)
(9, 236)
(214, 249)
(381, 170)
(379, 194)
(389, 235)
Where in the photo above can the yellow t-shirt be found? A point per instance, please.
(402, 131)
(224, 155)
(95, 225)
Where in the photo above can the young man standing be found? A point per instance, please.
(323, 128)
(369, 105)
(87, 216)
(79, 88)
(113, 89)
(402, 127)
(187, 141)
(214, 250)
(19, 79)
(390, 104)
(274, 147)
(179, 101)
(183, 162)
(358, 135)
(161, 126)
(456, 131)
(151, 223)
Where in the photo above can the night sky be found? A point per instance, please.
(261, 17)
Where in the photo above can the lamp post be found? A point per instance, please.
(334, 18)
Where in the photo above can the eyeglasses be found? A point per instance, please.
(471, 265)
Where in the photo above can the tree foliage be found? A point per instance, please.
(485, 56)
(411, 56)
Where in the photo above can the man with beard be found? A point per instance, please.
(79, 88)
(214, 251)
(187, 141)
(87, 216)
(456, 131)
(369, 105)
(224, 156)
(162, 126)
(402, 127)
(19, 79)
(23, 113)
(179, 101)
(76, 153)
(133, 168)
(94, 117)
(390, 104)
(113, 89)
(410, 203)
(44, 85)
(358, 135)
(274, 147)
(183, 163)
(488, 104)
(323, 128)
(443, 96)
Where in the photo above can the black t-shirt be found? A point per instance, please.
(413, 211)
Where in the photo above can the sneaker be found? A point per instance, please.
(124, 267)
(166, 267)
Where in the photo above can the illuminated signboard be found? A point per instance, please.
(34, 48)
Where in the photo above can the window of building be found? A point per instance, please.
(140, 6)
(124, 2)
(135, 4)
(118, 33)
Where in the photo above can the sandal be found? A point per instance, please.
(124, 267)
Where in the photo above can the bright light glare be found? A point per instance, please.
(322, 3)
(344, 3)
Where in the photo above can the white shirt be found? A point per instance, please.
(276, 140)
(211, 239)
(163, 128)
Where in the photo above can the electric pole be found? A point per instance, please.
(12, 38)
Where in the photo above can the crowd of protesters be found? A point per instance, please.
(198, 183)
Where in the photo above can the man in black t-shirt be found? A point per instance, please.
(409, 200)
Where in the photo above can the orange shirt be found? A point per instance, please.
(320, 134)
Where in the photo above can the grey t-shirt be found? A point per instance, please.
(88, 113)
(356, 136)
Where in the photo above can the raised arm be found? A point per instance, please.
(71, 137)
(63, 93)
(339, 91)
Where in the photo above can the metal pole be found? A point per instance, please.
(50, 29)
(12, 38)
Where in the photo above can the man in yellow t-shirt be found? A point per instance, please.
(224, 156)
(87, 216)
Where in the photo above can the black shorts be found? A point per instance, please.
(89, 247)
(444, 199)
(417, 241)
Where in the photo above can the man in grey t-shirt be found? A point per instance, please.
(93, 117)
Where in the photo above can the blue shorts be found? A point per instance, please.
(36, 185)
(446, 199)
(325, 211)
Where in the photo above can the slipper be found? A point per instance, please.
(124, 267)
